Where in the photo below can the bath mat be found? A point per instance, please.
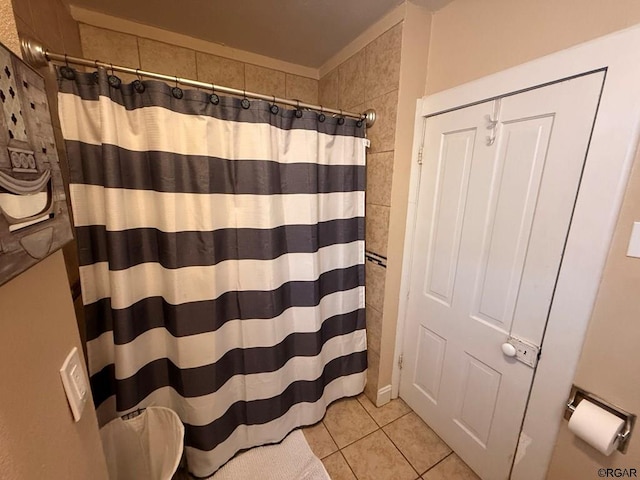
(291, 459)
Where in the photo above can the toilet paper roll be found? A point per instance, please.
(596, 426)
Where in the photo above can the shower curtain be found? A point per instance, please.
(221, 258)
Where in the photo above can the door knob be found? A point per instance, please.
(509, 350)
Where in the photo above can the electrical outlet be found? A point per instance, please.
(75, 383)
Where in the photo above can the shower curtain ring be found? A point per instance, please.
(274, 108)
(66, 71)
(113, 80)
(341, 118)
(96, 75)
(213, 98)
(322, 117)
(177, 91)
(245, 103)
(137, 84)
(298, 111)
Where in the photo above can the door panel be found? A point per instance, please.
(492, 219)
(519, 165)
(431, 349)
(453, 175)
(477, 402)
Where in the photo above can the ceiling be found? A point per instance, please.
(304, 32)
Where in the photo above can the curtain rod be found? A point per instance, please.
(36, 55)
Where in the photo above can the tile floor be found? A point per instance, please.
(358, 441)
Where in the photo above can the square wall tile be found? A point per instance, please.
(383, 132)
(301, 88)
(387, 413)
(168, 59)
(376, 458)
(337, 467)
(220, 70)
(383, 63)
(375, 277)
(377, 228)
(45, 23)
(351, 74)
(70, 31)
(357, 109)
(26, 29)
(379, 178)
(264, 80)
(107, 45)
(417, 442)
(329, 89)
(374, 328)
(347, 421)
(22, 9)
(319, 440)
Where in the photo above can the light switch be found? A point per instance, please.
(634, 241)
(75, 383)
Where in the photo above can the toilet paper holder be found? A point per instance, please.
(578, 394)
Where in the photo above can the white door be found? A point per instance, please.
(492, 220)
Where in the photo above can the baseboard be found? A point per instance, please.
(384, 396)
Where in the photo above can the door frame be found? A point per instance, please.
(611, 153)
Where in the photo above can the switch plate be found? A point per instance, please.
(75, 383)
(634, 242)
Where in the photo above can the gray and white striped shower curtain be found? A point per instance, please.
(221, 259)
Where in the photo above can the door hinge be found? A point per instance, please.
(420, 152)
(400, 361)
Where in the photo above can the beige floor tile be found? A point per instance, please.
(387, 413)
(337, 467)
(422, 447)
(451, 468)
(376, 458)
(347, 421)
(319, 440)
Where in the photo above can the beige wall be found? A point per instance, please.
(471, 39)
(130, 50)
(370, 79)
(38, 437)
(610, 357)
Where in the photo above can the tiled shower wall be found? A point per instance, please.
(130, 50)
(370, 79)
